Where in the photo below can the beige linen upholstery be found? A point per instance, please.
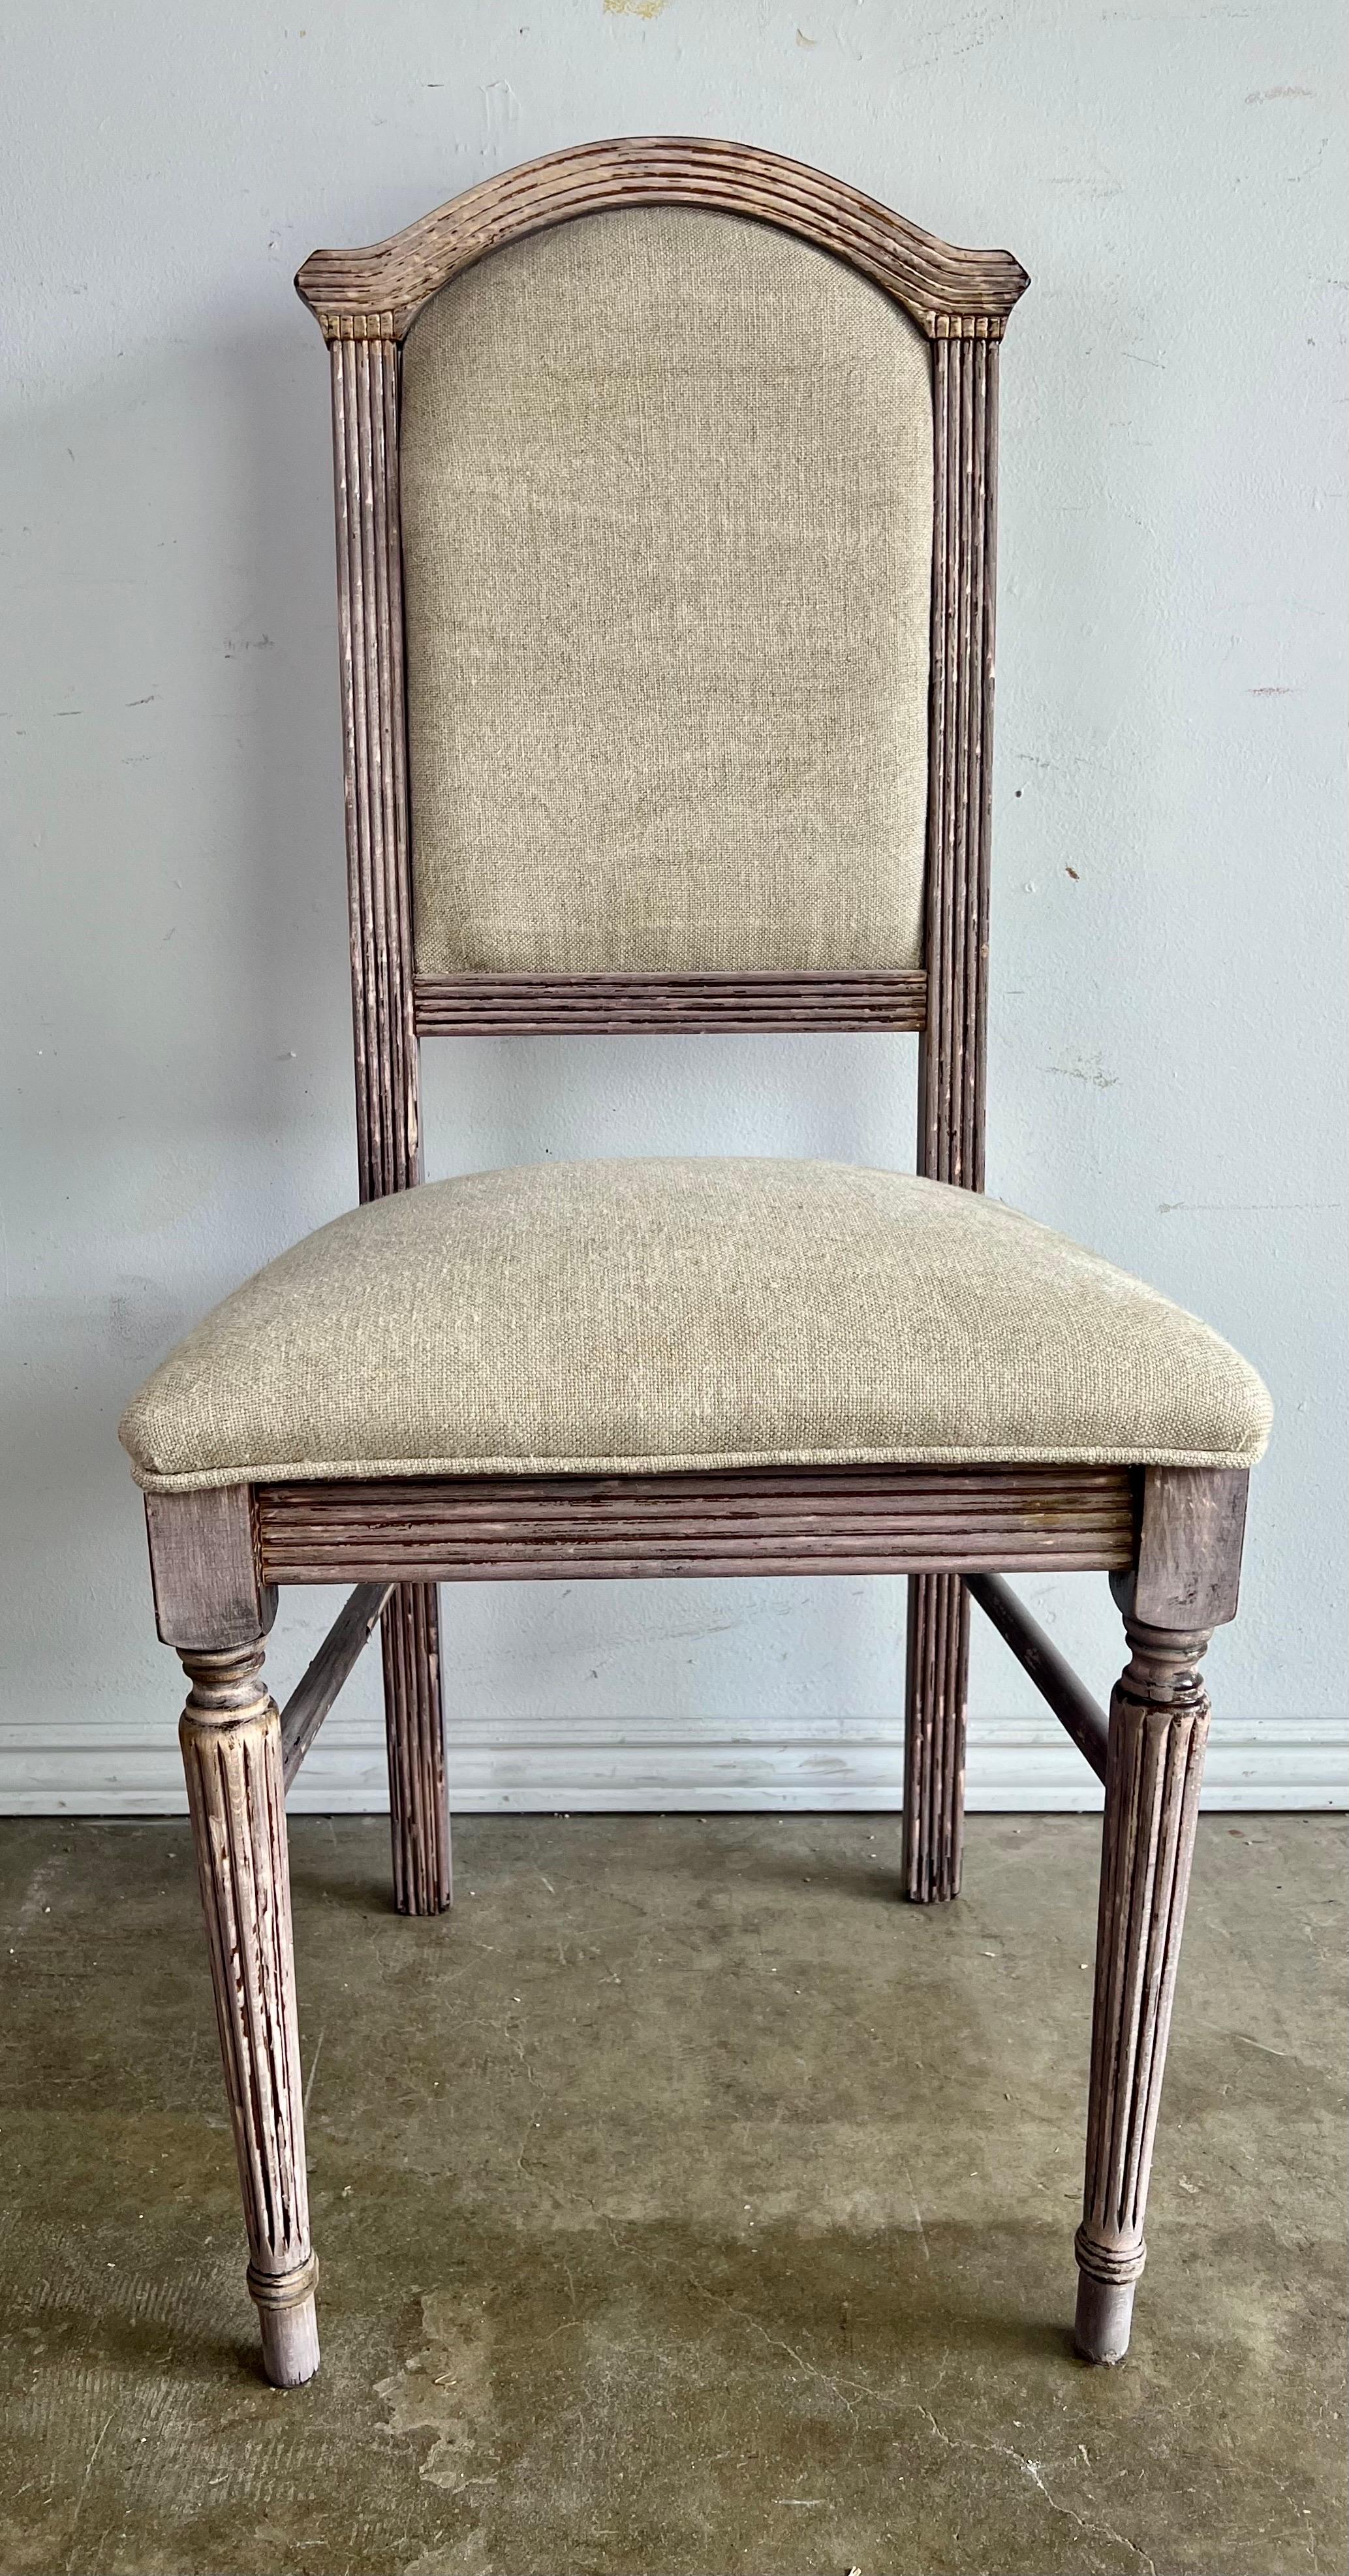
(667, 537)
(626, 1315)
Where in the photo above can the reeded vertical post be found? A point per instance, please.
(231, 1738)
(370, 620)
(419, 1819)
(953, 1048)
(934, 1743)
(1159, 1723)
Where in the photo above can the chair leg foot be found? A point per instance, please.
(1104, 2316)
(290, 2334)
(934, 1737)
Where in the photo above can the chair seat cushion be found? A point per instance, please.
(612, 1316)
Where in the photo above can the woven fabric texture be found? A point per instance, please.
(667, 539)
(602, 1316)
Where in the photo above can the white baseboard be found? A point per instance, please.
(555, 1765)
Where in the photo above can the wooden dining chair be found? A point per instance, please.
(665, 517)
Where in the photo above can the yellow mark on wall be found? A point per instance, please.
(633, 8)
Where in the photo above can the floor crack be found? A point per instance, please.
(1005, 2451)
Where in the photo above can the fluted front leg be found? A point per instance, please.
(934, 1736)
(231, 1740)
(1159, 1722)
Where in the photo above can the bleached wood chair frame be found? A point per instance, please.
(1170, 1539)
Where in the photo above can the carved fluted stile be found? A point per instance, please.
(418, 1795)
(952, 1057)
(937, 1665)
(1159, 1723)
(953, 1049)
(370, 614)
(231, 1740)
(370, 620)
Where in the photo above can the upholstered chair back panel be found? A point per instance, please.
(667, 535)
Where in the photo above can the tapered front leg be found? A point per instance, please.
(1159, 1723)
(1183, 1585)
(231, 1740)
(937, 1685)
(419, 1815)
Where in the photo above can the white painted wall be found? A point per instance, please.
(1166, 1002)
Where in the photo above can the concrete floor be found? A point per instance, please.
(685, 2206)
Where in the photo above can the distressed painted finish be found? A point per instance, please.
(231, 1739)
(859, 1520)
(937, 1659)
(204, 1569)
(1159, 1723)
(419, 1814)
(388, 1135)
(1171, 1538)
(370, 638)
(952, 1056)
(1183, 1585)
(380, 291)
(365, 301)
(515, 1005)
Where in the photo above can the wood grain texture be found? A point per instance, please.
(1175, 1567)
(374, 729)
(365, 301)
(1159, 1723)
(937, 1656)
(318, 1686)
(510, 1005)
(231, 1742)
(751, 1521)
(1080, 1715)
(380, 290)
(951, 1075)
(1190, 1543)
(204, 1569)
(952, 1056)
(414, 1726)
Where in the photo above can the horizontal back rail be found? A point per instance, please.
(859, 1520)
(512, 1005)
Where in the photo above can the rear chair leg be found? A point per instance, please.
(231, 1739)
(934, 1736)
(1184, 1586)
(419, 1816)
